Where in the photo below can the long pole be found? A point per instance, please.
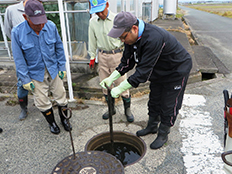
(63, 30)
(110, 110)
(67, 24)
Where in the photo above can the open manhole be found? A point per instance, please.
(88, 162)
(128, 148)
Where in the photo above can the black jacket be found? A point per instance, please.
(158, 55)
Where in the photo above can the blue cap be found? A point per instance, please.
(97, 6)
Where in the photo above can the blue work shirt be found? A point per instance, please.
(33, 53)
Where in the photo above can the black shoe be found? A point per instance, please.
(127, 103)
(49, 116)
(54, 128)
(152, 126)
(129, 115)
(105, 116)
(147, 130)
(162, 137)
(159, 142)
(67, 126)
(23, 102)
(1, 130)
(63, 119)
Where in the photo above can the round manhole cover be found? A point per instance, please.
(89, 162)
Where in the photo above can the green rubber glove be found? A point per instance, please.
(62, 74)
(29, 86)
(115, 92)
(109, 80)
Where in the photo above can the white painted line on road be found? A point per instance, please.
(201, 148)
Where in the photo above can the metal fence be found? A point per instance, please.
(77, 21)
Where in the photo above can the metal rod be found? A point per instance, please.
(110, 110)
(70, 133)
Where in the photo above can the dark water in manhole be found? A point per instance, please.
(125, 153)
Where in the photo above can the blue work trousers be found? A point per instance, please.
(21, 92)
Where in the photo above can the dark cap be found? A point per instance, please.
(34, 9)
(122, 21)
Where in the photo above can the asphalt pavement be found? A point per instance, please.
(212, 31)
(28, 146)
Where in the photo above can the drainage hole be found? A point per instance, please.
(208, 76)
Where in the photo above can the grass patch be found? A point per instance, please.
(224, 9)
(179, 13)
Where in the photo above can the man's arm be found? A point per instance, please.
(92, 41)
(127, 60)
(19, 59)
(60, 52)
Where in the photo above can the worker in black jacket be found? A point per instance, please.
(160, 59)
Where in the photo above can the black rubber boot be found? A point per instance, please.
(105, 116)
(23, 104)
(152, 127)
(127, 103)
(63, 120)
(51, 120)
(162, 137)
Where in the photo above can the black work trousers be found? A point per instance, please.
(165, 99)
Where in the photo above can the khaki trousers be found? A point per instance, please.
(41, 91)
(107, 63)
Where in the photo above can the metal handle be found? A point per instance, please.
(224, 154)
(70, 133)
(66, 116)
(226, 98)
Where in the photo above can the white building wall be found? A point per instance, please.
(155, 9)
(125, 5)
(113, 5)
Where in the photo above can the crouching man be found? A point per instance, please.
(159, 58)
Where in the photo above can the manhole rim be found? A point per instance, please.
(142, 143)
